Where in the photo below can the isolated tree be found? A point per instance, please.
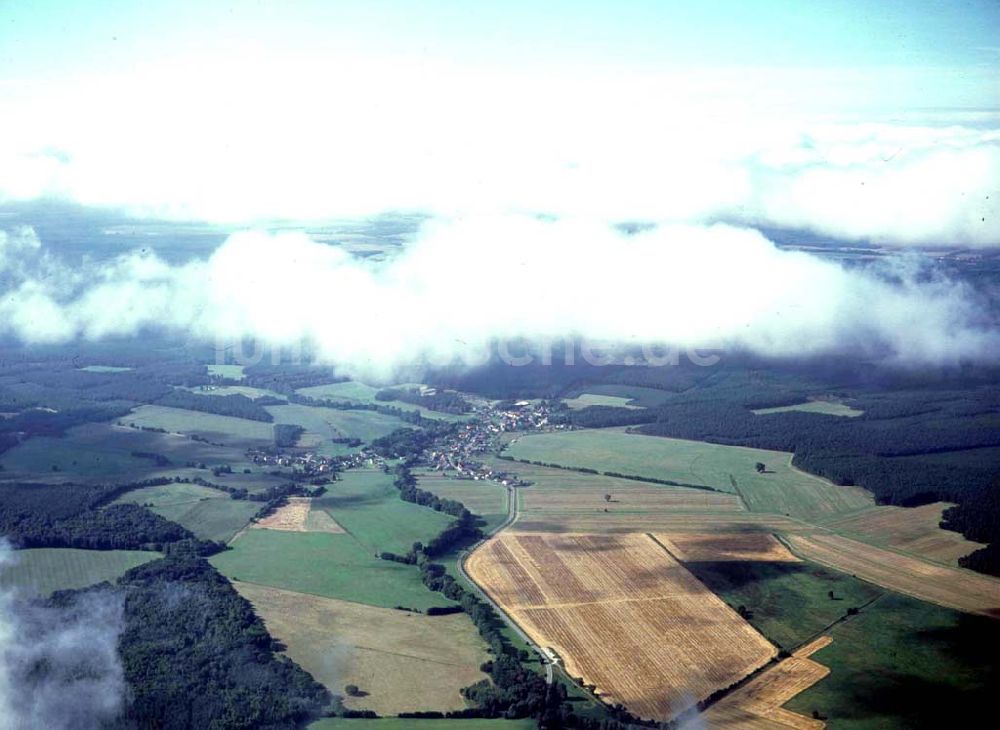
(759, 466)
(830, 594)
(607, 497)
(352, 690)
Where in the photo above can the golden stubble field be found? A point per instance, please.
(757, 705)
(622, 614)
(403, 661)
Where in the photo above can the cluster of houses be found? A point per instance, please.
(310, 464)
(458, 454)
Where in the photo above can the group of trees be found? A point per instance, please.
(80, 516)
(441, 400)
(195, 654)
(236, 406)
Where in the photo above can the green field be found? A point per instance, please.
(782, 489)
(232, 372)
(209, 513)
(586, 400)
(361, 393)
(405, 723)
(633, 394)
(245, 390)
(220, 429)
(103, 452)
(907, 664)
(487, 500)
(829, 408)
(323, 424)
(367, 505)
(790, 602)
(40, 571)
(344, 566)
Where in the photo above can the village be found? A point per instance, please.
(457, 453)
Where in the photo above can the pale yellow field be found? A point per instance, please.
(404, 661)
(912, 530)
(723, 546)
(297, 515)
(623, 615)
(949, 587)
(757, 705)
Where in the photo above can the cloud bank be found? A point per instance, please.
(465, 283)
(203, 142)
(59, 665)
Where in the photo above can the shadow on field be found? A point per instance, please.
(905, 700)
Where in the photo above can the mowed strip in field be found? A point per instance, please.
(297, 515)
(403, 661)
(950, 587)
(623, 615)
(780, 489)
(914, 530)
(757, 705)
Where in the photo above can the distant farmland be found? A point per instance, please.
(622, 614)
(781, 489)
(323, 424)
(361, 393)
(223, 429)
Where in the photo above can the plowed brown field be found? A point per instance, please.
(622, 614)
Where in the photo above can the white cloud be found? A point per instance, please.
(311, 139)
(464, 283)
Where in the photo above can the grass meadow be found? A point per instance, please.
(344, 565)
(208, 513)
(782, 489)
(361, 393)
(905, 664)
(40, 571)
(829, 408)
(323, 424)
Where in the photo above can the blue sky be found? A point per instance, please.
(47, 37)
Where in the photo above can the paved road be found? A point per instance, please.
(511, 516)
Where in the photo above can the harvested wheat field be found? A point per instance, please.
(623, 615)
(403, 661)
(757, 705)
(297, 515)
(726, 547)
(911, 530)
(949, 587)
